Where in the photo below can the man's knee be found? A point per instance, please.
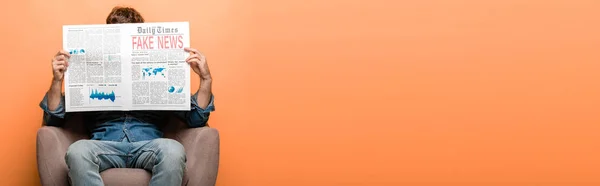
(170, 150)
(80, 150)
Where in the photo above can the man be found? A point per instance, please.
(128, 139)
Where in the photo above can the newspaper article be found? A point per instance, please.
(120, 67)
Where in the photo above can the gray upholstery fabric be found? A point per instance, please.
(201, 146)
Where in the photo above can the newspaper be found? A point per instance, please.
(121, 67)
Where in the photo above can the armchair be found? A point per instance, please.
(201, 146)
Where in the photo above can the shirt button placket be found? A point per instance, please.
(125, 126)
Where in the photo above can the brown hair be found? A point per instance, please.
(121, 14)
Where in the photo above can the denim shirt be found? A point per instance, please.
(128, 125)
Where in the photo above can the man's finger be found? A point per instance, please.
(63, 52)
(191, 63)
(61, 62)
(192, 57)
(59, 68)
(194, 62)
(192, 50)
(60, 58)
(194, 65)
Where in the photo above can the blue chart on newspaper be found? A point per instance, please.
(102, 95)
(120, 67)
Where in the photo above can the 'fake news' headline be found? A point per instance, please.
(161, 38)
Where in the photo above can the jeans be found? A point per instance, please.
(165, 158)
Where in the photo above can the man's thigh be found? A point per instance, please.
(95, 153)
(146, 154)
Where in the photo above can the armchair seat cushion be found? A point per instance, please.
(125, 177)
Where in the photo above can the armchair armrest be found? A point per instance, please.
(52, 144)
(202, 153)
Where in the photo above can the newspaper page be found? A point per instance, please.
(121, 67)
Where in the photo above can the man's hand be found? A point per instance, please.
(59, 65)
(198, 63)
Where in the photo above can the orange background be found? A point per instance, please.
(348, 92)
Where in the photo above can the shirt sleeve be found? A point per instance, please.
(53, 117)
(197, 117)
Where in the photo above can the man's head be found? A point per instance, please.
(124, 15)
